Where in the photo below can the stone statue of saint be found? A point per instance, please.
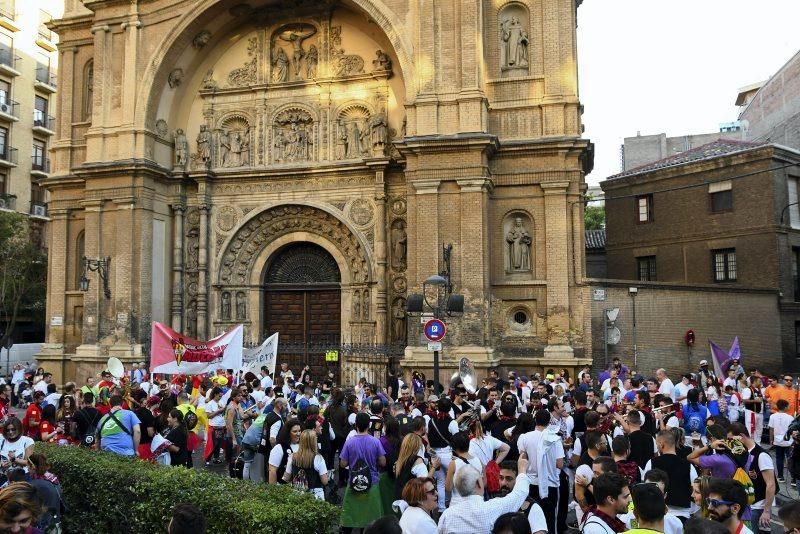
(312, 58)
(244, 160)
(280, 66)
(235, 140)
(341, 142)
(204, 144)
(519, 247)
(380, 133)
(356, 306)
(295, 38)
(224, 148)
(399, 246)
(181, 148)
(208, 81)
(353, 145)
(226, 306)
(364, 138)
(382, 61)
(241, 306)
(191, 319)
(514, 43)
(279, 143)
(399, 324)
(365, 304)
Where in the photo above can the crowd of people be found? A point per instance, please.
(514, 454)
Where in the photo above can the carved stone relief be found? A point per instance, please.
(365, 304)
(175, 78)
(518, 242)
(382, 62)
(238, 258)
(161, 128)
(399, 284)
(209, 83)
(294, 35)
(241, 306)
(201, 39)
(225, 312)
(399, 206)
(204, 145)
(227, 218)
(399, 245)
(361, 212)
(353, 133)
(233, 142)
(293, 136)
(379, 133)
(399, 328)
(343, 64)
(247, 74)
(191, 318)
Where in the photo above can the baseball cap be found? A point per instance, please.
(703, 362)
(433, 398)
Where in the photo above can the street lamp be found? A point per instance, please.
(100, 266)
(633, 291)
(445, 302)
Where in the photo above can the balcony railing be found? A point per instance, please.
(40, 163)
(44, 31)
(8, 9)
(9, 107)
(8, 58)
(8, 154)
(43, 121)
(46, 76)
(8, 201)
(38, 208)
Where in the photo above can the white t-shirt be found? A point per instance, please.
(536, 519)
(747, 394)
(666, 387)
(681, 512)
(258, 396)
(219, 419)
(266, 382)
(319, 467)
(733, 406)
(483, 449)
(764, 464)
(780, 422)
(681, 390)
(276, 454)
(530, 443)
(672, 525)
(53, 399)
(595, 525)
(459, 463)
(41, 385)
(729, 382)
(18, 447)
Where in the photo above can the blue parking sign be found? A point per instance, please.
(435, 330)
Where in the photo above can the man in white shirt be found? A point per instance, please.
(545, 453)
(680, 391)
(42, 384)
(473, 514)
(730, 380)
(778, 425)
(258, 395)
(266, 380)
(508, 481)
(665, 385)
(607, 382)
(612, 494)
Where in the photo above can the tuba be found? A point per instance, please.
(466, 377)
(117, 370)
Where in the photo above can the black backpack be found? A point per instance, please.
(360, 477)
(405, 421)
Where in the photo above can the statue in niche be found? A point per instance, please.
(399, 324)
(341, 142)
(280, 66)
(204, 144)
(296, 37)
(382, 62)
(235, 141)
(519, 247)
(224, 148)
(399, 245)
(364, 138)
(226, 306)
(191, 319)
(514, 43)
(379, 133)
(244, 158)
(312, 59)
(241, 306)
(181, 148)
(356, 306)
(365, 304)
(353, 144)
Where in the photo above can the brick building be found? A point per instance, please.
(297, 165)
(724, 214)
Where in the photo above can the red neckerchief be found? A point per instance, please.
(507, 418)
(441, 416)
(740, 527)
(615, 524)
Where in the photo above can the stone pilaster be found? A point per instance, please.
(178, 211)
(558, 259)
(202, 274)
(94, 299)
(381, 298)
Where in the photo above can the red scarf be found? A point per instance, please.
(613, 522)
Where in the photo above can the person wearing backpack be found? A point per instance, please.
(305, 469)
(86, 420)
(119, 430)
(288, 443)
(363, 454)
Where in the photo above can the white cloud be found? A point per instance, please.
(673, 66)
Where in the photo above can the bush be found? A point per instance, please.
(107, 493)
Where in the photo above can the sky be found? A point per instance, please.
(654, 66)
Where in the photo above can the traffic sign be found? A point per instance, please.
(434, 346)
(435, 330)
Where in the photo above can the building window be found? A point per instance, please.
(37, 193)
(794, 202)
(721, 194)
(644, 208)
(647, 268)
(796, 273)
(3, 184)
(38, 160)
(43, 68)
(40, 111)
(3, 143)
(88, 90)
(6, 50)
(724, 265)
(5, 92)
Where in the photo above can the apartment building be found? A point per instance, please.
(28, 85)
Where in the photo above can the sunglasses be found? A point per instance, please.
(716, 503)
(434, 491)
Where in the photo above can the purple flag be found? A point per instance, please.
(720, 359)
(735, 353)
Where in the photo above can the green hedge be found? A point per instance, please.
(108, 493)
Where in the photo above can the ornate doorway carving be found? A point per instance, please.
(302, 301)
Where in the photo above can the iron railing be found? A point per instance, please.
(8, 154)
(45, 75)
(42, 120)
(40, 163)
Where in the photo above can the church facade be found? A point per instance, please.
(297, 165)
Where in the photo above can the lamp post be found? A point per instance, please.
(444, 303)
(100, 266)
(633, 291)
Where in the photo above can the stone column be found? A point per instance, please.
(130, 71)
(381, 298)
(58, 228)
(558, 259)
(100, 100)
(178, 211)
(202, 275)
(93, 299)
